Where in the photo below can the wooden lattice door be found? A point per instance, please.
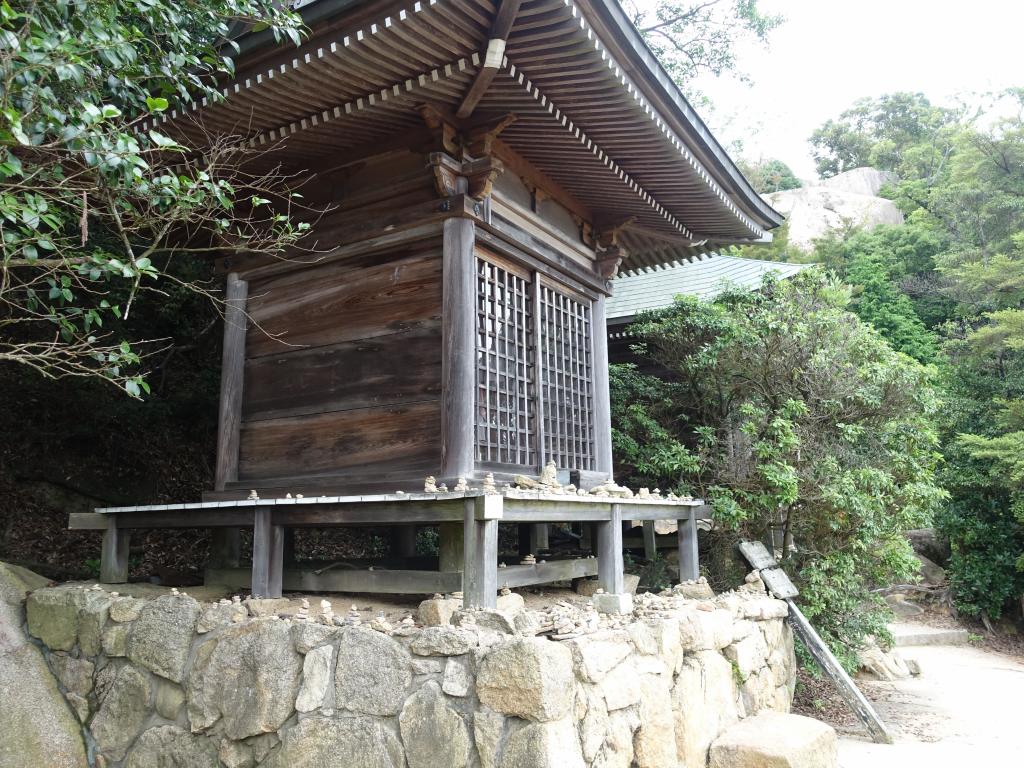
(534, 381)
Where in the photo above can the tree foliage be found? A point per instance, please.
(895, 132)
(695, 37)
(97, 209)
(767, 176)
(795, 420)
(877, 265)
(948, 286)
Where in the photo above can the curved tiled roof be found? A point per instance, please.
(704, 278)
(596, 112)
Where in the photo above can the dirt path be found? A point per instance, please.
(964, 710)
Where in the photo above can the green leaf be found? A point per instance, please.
(19, 134)
(164, 142)
(156, 103)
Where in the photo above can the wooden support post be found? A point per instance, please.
(524, 531)
(831, 666)
(602, 396)
(539, 536)
(403, 541)
(289, 546)
(267, 555)
(650, 542)
(114, 554)
(451, 545)
(609, 553)
(480, 570)
(276, 567)
(458, 349)
(226, 543)
(689, 565)
(533, 537)
(225, 548)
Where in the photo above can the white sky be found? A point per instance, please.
(830, 52)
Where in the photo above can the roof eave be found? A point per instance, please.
(633, 54)
(312, 12)
(680, 112)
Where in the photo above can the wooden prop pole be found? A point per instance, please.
(844, 684)
(780, 586)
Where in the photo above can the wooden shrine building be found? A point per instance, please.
(490, 165)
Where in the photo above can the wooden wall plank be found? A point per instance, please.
(399, 368)
(337, 303)
(408, 479)
(231, 381)
(376, 439)
(503, 237)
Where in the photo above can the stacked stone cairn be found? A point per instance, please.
(168, 680)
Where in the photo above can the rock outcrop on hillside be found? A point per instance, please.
(860, 181)
(843, 201)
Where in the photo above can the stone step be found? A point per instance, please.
(777, 740)
(918, 634)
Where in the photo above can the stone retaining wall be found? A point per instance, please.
(168, 681)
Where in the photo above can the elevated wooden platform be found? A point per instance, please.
(475, 512)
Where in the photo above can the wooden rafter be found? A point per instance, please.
(500, 29)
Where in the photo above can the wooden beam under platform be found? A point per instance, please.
(380, 581)
(477, 513)
(313, 578)
(513, 576)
